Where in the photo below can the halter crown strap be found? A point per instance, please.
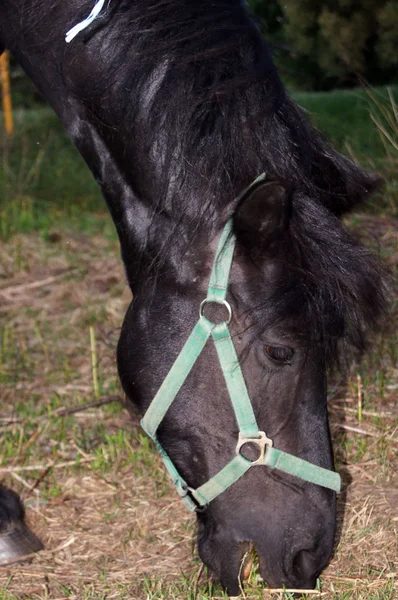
(219, 277)
(72, 33)
(245, 418)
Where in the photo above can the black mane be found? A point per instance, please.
(201, 77)
(195, 83)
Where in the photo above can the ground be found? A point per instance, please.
(95, 490)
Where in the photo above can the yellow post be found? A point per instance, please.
(6, 92)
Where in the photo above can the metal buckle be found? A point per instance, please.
(262, 442)
(222, 303)
(190, 493)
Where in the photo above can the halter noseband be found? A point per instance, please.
(249, 432)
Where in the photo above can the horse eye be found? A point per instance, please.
(279, 353)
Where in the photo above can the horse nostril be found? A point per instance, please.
(306, 566)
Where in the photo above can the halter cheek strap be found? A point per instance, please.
(248, 429)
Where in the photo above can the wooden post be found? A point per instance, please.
(6, 93)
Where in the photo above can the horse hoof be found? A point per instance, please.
(16, 542)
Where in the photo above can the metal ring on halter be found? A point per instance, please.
(262, 442)
(222, 303)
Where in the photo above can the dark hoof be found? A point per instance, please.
(16, 542)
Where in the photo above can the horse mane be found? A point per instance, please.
(200, 77)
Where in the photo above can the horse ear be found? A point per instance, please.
(262, 216)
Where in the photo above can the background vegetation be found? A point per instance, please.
(320, 44)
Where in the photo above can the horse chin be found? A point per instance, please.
(225, 558)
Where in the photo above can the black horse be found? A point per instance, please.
(176, 107)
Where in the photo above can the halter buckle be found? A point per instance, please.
(262, 441)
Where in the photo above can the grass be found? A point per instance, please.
(343, 116)
(357, 122)
(95, 490)
(43, 179)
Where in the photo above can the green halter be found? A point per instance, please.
(248, 428)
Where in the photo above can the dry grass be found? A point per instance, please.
(98, 496)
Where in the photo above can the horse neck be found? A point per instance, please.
(148, 208)
(159, 227)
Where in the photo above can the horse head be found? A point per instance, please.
(289, 295)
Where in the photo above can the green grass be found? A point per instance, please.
(42, 157)
(343, 116)
(44, 180)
